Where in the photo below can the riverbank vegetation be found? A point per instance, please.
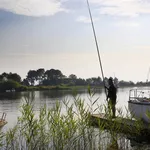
(42, 79)
(65, 126)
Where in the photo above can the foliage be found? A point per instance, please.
(53, 74)
(25, 82)
(94, 81)
(55, 77)
(40, 75)
(32, 76)
(125, 83)
(14, 77)
(10, 76)
(9, 85)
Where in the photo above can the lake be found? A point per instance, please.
(11, 102)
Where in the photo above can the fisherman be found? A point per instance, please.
(111, 96)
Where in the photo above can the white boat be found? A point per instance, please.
(139, 104)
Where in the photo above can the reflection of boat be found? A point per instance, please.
(139, 104)
(2, 120)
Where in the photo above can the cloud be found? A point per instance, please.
(127, 24)
(34, 8)
(142, 47)
(85, 19)
(131, 8)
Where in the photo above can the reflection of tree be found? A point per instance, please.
(10, 96)
(62, 93)
(52, 94)
(137, 141)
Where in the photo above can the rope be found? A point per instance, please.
(97, 47)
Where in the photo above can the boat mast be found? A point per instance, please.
(148, 74)
(97, 47)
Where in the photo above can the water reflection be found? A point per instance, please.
(139, 141)
(63, 93)
(11, 102)
(54, 94)
(10, 96)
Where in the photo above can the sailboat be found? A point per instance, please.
(139, 103)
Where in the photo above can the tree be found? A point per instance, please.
(40, 75)
(106, 81)
(126, 83)
(80, 81)
(5, 75)
(58, 74)
(116, 82)
(1, 77)
(94, 81)
(25, 82)
(14, 77)
(11, 76)
(49, 74)
(89, 81)
(32, 77)
(73, 76)
(8, 85)
(54, 76)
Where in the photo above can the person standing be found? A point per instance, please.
(111, 97)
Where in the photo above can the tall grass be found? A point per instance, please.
(51, 129)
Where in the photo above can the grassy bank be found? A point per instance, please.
(10, 85)
(45, 88)
(66, 87)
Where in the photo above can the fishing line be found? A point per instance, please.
(97, 47)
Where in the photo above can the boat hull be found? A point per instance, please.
(2, 123)
(140, 110)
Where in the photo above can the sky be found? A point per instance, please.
(57, 34)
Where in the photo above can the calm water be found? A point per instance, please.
(11, 102)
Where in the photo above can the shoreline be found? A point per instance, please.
(46, 88)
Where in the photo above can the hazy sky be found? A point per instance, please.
(57, 34)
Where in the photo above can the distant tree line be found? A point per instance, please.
(54, 77)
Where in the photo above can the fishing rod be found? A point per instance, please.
(97, 47)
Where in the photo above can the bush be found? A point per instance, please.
(22, 88)
(9, 85)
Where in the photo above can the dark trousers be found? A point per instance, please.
(112, 106)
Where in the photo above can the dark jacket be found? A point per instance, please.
(112, 93)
